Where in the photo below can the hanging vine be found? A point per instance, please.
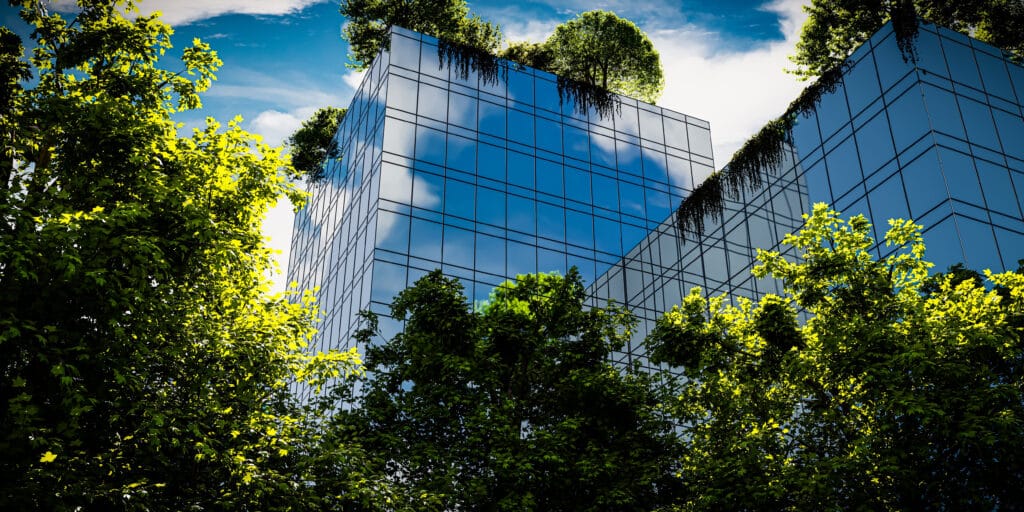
(465, 60)
(585, 96)
(763, 153)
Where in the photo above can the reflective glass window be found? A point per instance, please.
(550, 261)
(550, 221)
(520, 127)
(405, 52)
(458, 199)
(430, 145)
(399, 137)
(982, 252)
(1011, 133)
(425, 240)
(654, 166)
(433, 102)
(909, 120)
(862, 84)
(549, 178)
(606, 236)
(492, 119)
(929, 54)
(490, 254)
(679, 173)
(626, 121)
(392, 231)
(458, 246)
(547, 94)
(388, 280)
(832, 112)
(549, 135)
(577, 185)
(606, 193)
(461, 153)
(943, 109)
(962, 66)
(961, 177)
(978, 119)
(522, 258)
(602, 150)
(631, 198)
(993, 73)
(490, 206)
(522, 214)
(429, 63)
(492, 162)
(675, 133)
(843, 168)
(998, 189)
(890, 63)
(658, 204)
(700, 140)
(395, 184)
(650, 126)
(875, 143)
(576, 143)
(887, 202)
(402, 93)
(427, 190)
(462, 110)
(579, 228)
(520, 169)
(520, 86)
(629, 158)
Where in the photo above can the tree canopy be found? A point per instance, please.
(604, 50)
(145, 365)
(884, 398)
(369, 21)
(515, 405)
(834, 28)
(313, 142)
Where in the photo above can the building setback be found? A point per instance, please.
(486, 181)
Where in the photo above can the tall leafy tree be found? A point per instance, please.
(369, 21)
(886, 398)
(145, 365)
(515, 405)
(313, 142)
(604, 50)
(834, 28)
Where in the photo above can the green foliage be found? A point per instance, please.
(145, 365)
(515, 406)
(835, 28)
(370, 21)
(535, 55)
(606, 51)
(313, 142)
(886, 398)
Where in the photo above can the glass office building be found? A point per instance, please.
(489, 180)
(483, 180)
(939, 140)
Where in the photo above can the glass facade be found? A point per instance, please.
(489, 180)
(483, 181)
(940, 141)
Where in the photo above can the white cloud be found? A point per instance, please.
(275, 126)
(182, 12)
(354, 78)
(736, 91)
(277, 228)
(291, 92)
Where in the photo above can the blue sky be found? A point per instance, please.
(283, 59)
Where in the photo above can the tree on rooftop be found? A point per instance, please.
(834, 28)
(313, 142)
(368, 23)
